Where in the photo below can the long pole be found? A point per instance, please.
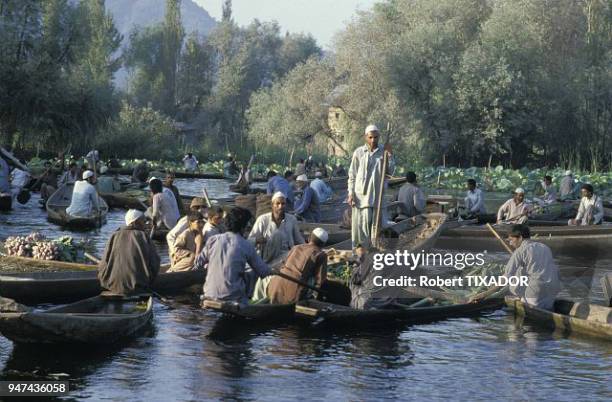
(508, 249)
(376, 227)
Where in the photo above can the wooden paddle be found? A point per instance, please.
(377, 226)
(508, 249)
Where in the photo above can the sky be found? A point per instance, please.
(321, 18)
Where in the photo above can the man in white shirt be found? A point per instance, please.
(164, 210)
(515, 210)
(190, 162)
(590, 211)
(84, 197)
(474, 200)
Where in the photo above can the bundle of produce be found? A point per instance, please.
(35, 245)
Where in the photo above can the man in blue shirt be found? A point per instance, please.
(324, 192)
(307, 206)
(278, 183)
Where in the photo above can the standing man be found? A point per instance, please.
(533, 260)
(84, 197)
(474, 200)
(590, 211)
(364, 179)
(515, 210)
(411, 197)
(130, 263)
(190, 162)
(566, 188)
(276, 231)
(307, 206)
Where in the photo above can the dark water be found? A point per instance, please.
(190, 354)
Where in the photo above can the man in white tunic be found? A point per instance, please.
(84, 197)
(411, 197)
(515, 210)
(276, 231)
(190, 162)
(590, 211)
(474, 200)
(566, 187)
(364, 178)
(534, 261)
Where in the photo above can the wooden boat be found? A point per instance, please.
(62, 287)
(60, 200)
(6, 202)
(337, 233)
(50, 264)
(584, 240)
(568, 317)
(121, 200)
(258, 312)
(178, 174)
(98, 320)
(333, 314)
(404, 235)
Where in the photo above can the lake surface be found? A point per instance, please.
(189, 354)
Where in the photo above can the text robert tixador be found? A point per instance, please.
(412, 260)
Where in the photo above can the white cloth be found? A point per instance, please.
(175, 232)
(164, 209)
(84, 200)
(510, 212)
(324, 192)
(474, 202)
(534, 260)
(590, 211)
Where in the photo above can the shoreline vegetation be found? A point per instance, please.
(450, 82)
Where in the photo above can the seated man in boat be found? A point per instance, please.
(533, 260)
(85, 201)
(306, 262)
(190, 162)
(107, 183)
(189, 244)
(548, 191)
(307, 206)
(130, 262)
(198, 204)
(71, 175)
(277, 231)
(164, 210)
(300, 167)
(214, 225)
(141, 172)
(590, 211)
(411, 198)
(474, 200)
(277, 183)
(324, 192)
(515, 210)
(169, 184)
(225, 257)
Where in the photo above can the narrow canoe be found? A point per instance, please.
(257, 312)
(594, 241)
(178, 174)
(119, 200)
(333, 314)
(98, 320)
(64, 287)
(53, 264)
(337, 233)
(60, 200)
(560, 319)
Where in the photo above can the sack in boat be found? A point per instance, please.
(247, 201)
(264, 204)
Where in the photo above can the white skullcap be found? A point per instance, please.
(371, 127)
(302, 177)
(278, 194)
(318, 174)
(519, 190)
(87, 174)
(153, 178)
(321, 234)
(103, 169)
(568, 172)
(132, 216)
